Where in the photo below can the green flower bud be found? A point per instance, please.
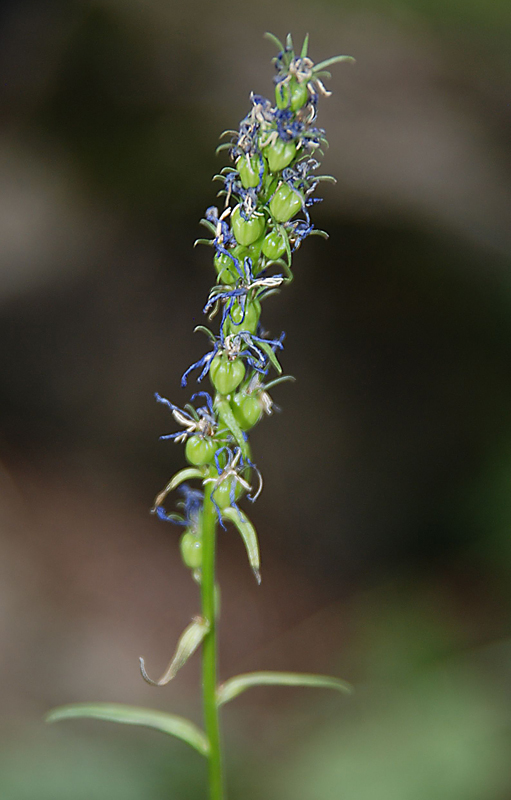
(191, 550)
(226, 375)
(285, 203)
(247, 231)
(274, 245)
(291, 94)
(280, 154)
(200, 450)
(249, 168)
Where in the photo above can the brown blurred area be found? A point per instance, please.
(385, 518)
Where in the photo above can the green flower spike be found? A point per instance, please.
(268, 194)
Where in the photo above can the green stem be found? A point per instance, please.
(209, 647)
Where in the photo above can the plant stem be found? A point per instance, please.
(209, 647)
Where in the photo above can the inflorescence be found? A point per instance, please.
(268, 194)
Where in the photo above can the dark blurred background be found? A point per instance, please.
(386, 514)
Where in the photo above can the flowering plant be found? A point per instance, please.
(268, 194)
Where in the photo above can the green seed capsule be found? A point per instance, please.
(238, 321)
(280, 154)
(247, 409)
(200, 450)
(247, 231)
(222, 494)
(299, 96)
(226, 278)
(291, 95)
(285, 203)
(226, 375)
(224, 265)
(249, 169)
(254, 251)
(282, 95)
(191, 550)
(270, 183)
(274, 245)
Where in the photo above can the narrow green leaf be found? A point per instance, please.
(289, 42)
(272, 292)
(185, 474)
(188, 643)
(271, 355)
(132, 715)
(289, 255)
(209, 225)
(192, 411)
(305, 46)
(249, 536)
(202, 241)
(240, 683)
(285, 267)
(276, 381)
(203, 329)
(226, 416)
(323, 74)
(225, 146)
(333, 60)
(275, 41)
(214, 291)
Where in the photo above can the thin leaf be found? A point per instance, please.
(272, 292)
(271, 355)
(289, 255)
(192, 411)
(289, 42)
(132, 715)
(240, 683)
(185, 474)
(333, 60)
(323, 74)
(203, 329)
(274, 39)
(249, 536)
(202, 241)
(285, 267)
(305, 46)
(276, 381)
(226, 416)
(188, 643)
(209, 225)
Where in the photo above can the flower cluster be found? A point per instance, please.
(267, 196)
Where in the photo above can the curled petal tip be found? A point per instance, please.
(144, 673)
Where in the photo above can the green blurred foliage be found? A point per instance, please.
(429, 721)
(111, 765)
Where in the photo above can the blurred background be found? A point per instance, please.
(386, 515)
